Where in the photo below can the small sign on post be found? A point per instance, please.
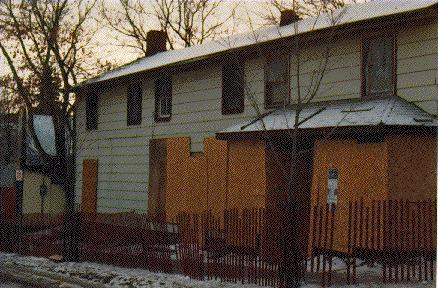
(332, 187)
(19, 175)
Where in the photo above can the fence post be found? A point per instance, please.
(354, 241)
(332, 231)
(18, 229)
(349, 251)
(385, 240)
(72, 236)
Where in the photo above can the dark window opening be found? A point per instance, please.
(91, 105)
(232, 89)
(277, 81)
(134, 104)
(379, 66)
(163, 99)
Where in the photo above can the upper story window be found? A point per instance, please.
(91, 105)
(277, 81)
(134, 104)
(379, 66)
(163, 99)
(232, 89)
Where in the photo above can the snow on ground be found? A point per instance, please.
(8, 285)
(113, 276)
(123, 277)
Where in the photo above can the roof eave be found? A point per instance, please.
(88, 84)
(321, 132)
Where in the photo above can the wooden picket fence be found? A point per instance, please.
(397, 235)
(396, 238)
(42, 235)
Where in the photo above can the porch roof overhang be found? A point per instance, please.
(392, 114)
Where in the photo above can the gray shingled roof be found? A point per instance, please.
(389, 111)
(350, 14)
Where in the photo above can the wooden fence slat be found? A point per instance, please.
(424, 238)
(349, 252)
(419, 240)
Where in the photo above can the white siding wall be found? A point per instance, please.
(417, 66)
(340, 72)
(123, 151)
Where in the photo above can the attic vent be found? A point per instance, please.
(155, 42)
(288, 17)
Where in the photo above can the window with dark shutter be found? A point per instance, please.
(163, 99)
(232, 89)
(134, 104)
(277, 81)
(379, 66)
(91, 105)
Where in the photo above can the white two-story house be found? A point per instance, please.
(207, 127)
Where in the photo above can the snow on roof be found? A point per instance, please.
(349, 14)
(389, 111)
(45, 132)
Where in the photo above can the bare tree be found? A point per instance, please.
(48, 47)
(186, 22)
(306, 70)
(8, 129)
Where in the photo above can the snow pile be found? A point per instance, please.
(9, 285)
(112, 276)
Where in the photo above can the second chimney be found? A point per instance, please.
(155, 42)
(288, 17)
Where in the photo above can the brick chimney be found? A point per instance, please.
(155, 42)
(288, 17)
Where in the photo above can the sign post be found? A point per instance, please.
(19, 207)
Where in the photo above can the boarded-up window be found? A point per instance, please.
(379, 66)
(163, 99)
(232, 89)
(134, 104)
(277, 81)
(89, 186)
(91, 106)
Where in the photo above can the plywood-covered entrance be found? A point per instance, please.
(89, 186)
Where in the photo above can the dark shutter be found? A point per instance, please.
(91, 105)
(134, 104)
(163, 99)
(232, 89)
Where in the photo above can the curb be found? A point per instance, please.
(43, 279)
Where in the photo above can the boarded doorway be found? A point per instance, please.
(89, 186)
